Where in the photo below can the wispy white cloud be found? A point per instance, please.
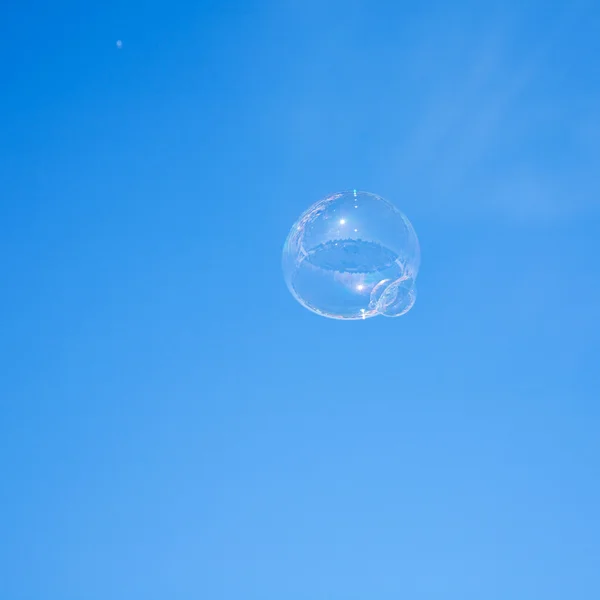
(487, 140)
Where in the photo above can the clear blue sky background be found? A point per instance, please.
(174, 425)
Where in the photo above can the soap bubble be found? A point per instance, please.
(352, 255)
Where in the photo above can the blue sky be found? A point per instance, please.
(174, 425)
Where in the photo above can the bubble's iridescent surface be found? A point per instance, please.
(352, 255)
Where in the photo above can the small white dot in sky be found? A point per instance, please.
(342, 221)
(119, 44)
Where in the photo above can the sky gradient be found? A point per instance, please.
(174, 425)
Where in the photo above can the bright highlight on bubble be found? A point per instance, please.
(352, 255)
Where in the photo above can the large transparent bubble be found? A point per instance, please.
(352, 255)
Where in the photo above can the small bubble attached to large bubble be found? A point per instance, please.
(352, 255)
